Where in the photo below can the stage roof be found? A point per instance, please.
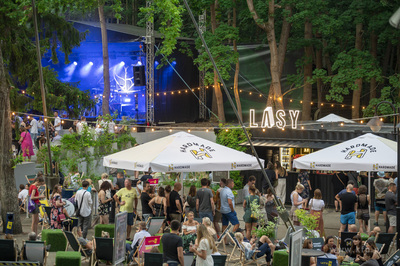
(127, 29)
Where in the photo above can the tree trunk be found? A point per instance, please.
(106, 61)
(134, 12)
(386, 59)
(374, 48)
(327, 59)
(307, 89)
(217, 88)
(8, 191)
(318, 65)
(236, 77)
(275, 91)
(355, 111)
(283, 41)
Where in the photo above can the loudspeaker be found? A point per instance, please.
(139, 77)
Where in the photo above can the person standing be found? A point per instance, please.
(173, 244)
(339, 182)
(57, 122)
(363, 202)
(297, 203)
(317, 205)
(217, 200)
(26, 144)
(391, 204)
(271, 176)
(175, 203)
(191, 201)
(128, 195)
(304, 179)
(349, 207)
(252, 181)
(57, 208)
(36, 197)
(34, 129)
(204, 248)
(228, 206)
(282, 175)
(145, 198)
(205, 201)
(381, 187)
(84, 202)
(120, 183)
(250, 222)
(105, 200)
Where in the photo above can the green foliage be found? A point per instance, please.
(104, 227)
(265, 228)
(232, 138)
(17, 160)
(307, 220)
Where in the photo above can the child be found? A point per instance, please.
(263, 249)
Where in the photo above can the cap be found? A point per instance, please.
(381, 173)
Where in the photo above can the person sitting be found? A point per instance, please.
(189, 231)
(370, 247)
(369, 261)
(374, 233)
(308, 244)
(23, 193)
(211, 230)
(137, 239)
(86, 244)
(356, 248)
(330, 248)
(32, 236)
(353, 228)
(250, 249)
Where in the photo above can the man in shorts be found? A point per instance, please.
(391, 203)
(128, 195)
(381, 187)
(228, 206)
(217, 200)
(348, 214)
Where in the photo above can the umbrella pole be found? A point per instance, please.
(369, 193)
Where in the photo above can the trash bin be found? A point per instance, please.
(10, 223)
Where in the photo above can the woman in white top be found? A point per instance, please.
(204, 249)
(297, 202)
(317, 207)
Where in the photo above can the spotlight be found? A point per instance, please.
(91, 63)
(75, 63)
(174, 63)
(139, 63)
(122, 63)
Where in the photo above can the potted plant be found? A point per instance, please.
(265, 228)
(308, 221)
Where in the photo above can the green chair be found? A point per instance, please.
(55, 238)
(104, 227)
(68, 258)
(281, 258)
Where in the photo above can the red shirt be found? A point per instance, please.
(31, 188)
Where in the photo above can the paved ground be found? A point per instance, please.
(331, 220)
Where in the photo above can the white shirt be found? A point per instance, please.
(139, 236)
(34, 126)
(79, 127)
(204, 245)
(40, 124)
(298, 200)
(57, 121)
(87, 202)
(316, 204)
(111, 127)
(23, 194)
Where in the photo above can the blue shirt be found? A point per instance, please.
(344, 191)
(225, 194)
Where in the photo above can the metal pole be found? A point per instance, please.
(234, 107)
(398, 176)
(41, 81)
(369, 193)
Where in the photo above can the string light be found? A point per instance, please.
(170, 130)
(311, 103)
(134, 128)
(332, 105)
(226, 130)
(189, 130)
(341, 124)
(300, 101)
(290, 99)
(165, 93)
(207, 130)
(263, 129)
(322, 104)
(152, 129)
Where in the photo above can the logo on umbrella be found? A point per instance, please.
(358, 154)
(312, 165)
(200, 154)
(375, 166)
(170, 167)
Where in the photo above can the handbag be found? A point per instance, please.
(31, 206)
(61, 217)
(78, 210)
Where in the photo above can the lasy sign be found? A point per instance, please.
(271, 119)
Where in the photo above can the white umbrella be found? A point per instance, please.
(332, 118)
(181, 152)
(364, 153)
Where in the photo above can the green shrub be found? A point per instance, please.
(68, 258)
(55, 238)
(104, 227)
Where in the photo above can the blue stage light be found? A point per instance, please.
(139, 63)
(91, 63)
(174, 63)
(156, 63)
(85, 70)
(99, 70)
(75, 63)
(127, 100)
(122, 63)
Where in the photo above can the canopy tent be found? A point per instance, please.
(332, 118)
(368, 152)
(181, 152)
